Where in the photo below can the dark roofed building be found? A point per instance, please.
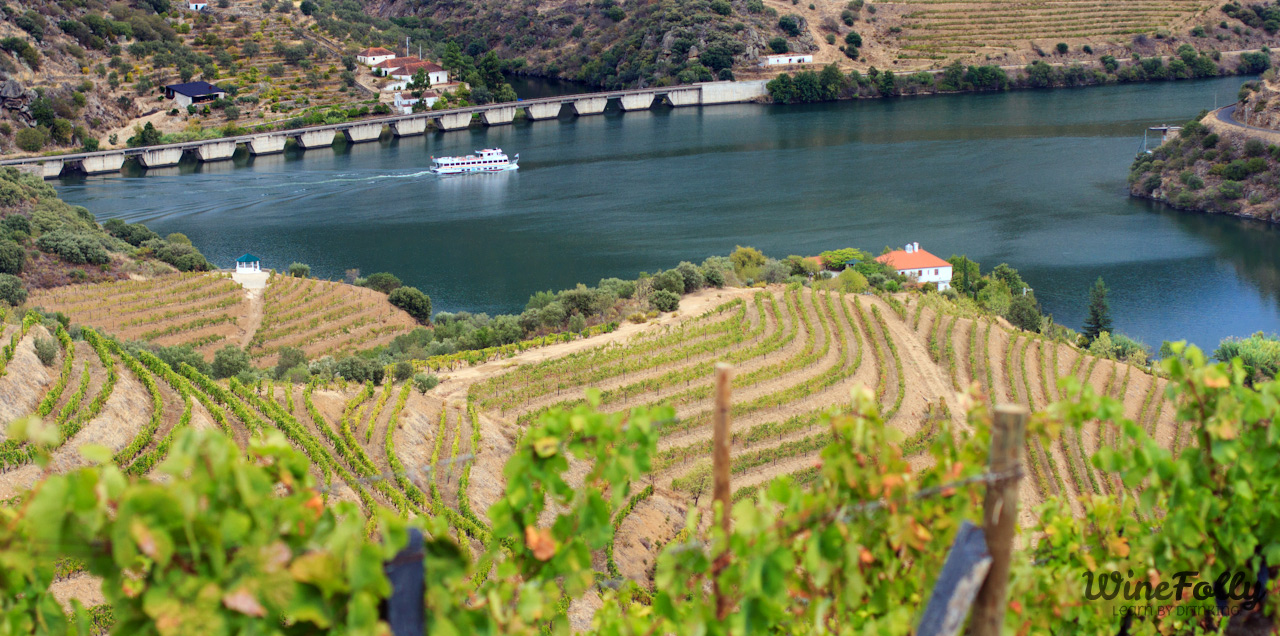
(193, 93)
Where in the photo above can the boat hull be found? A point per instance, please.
(452, 170)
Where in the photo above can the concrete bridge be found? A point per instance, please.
(262, 143)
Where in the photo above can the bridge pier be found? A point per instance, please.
(454, 121)
(45, 169)
(685, 97)
(637, 102)
(407, 127)
(216, 150)
(590, 106)
(542, 111)
(102, 164)
(316, 139)
(498, 116)
(266, 144)
(159, 158)
(733, 92)
(363, 132)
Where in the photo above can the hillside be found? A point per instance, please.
(632, 42)
(796, 353)
(1211, 166)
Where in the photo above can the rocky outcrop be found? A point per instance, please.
(16, 101)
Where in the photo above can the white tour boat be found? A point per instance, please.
(487, 160)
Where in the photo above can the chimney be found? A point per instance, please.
(908, 248)
(915, 247)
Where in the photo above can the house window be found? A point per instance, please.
(935, 272)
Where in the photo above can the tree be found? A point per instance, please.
(230, 361)
(995, 297)
(299, 270)
(146, 135)
(693, 278)
(12, 257)
(1024, 313)
(31, 139)
(413, 301)
(402, 371)
(779, 45)
(289, 358)
(663, 300)
(964, 275)
(11, 290)
(382, 281)
(747, 261)
(670, 281)
(1099, 319)
(851, 282)
(790, 24)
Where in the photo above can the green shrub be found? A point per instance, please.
(12, 257)
(11, 290)
(1231, 189)
(1062, 48)
(134, 234)
(383, 282)
(670, 281)
(31, 139)
(46, 350)
(663, 300)
(425, 382)
(299, 270)
(1259, 353)
(74, 247)
(853, 39)
(413, 302)
(229, 361)
(779, 45)
(402, 371)
(183, 256)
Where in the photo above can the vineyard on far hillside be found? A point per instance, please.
(206, 311)
(962, 27)
(211, 311)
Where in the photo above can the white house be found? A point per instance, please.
(436, 74)
(197, 5)
(248, 264)
(785, 60)
(919, 265)
(193, 93)
(373, 56)
(402, 103)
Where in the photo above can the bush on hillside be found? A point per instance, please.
(425, 382)
(75, 247)
(134, 234)
(11, 290)
(230, 361)
(178, 355)
(1024, 313)
(12, 257)
(670, 280)
(46, 350)
(383, 282)
(402, 371)
(663, 300)
(288, 358)
(360, 369)
(413, 302)
(693, 278)
(183, 256)
(620, 288)
(299, 270)
(1259, 353)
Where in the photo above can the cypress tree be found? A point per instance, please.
(1099, 319)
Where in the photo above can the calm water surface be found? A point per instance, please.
(1035, 179)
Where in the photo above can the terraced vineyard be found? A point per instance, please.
(210, 311)
(960, 27)
(796, 354)
(323, 318)
(202, 310)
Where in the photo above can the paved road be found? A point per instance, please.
(1227, 115)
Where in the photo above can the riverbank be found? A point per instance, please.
(1216, 163)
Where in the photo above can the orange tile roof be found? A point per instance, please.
(376, 51)
(414, 67)
(397, 62)
(919, 259)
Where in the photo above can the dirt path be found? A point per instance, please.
(253, 320)
(925, 381)
(25, 380)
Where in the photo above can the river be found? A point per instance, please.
(1032, 178)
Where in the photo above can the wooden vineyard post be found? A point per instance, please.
(999, 517)
(720, 470)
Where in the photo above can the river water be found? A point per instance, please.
(1032, 178)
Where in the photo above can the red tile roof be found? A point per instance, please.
(397, 62)
(414, 67)
(376, 51)
(919, 259)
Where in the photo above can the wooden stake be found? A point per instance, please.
(1000, 517)
(720, 469)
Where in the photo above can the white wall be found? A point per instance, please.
(939, 275)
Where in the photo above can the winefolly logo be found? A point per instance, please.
(1148, 594)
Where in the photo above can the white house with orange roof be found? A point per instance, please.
(374, 55)
(919, 265)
